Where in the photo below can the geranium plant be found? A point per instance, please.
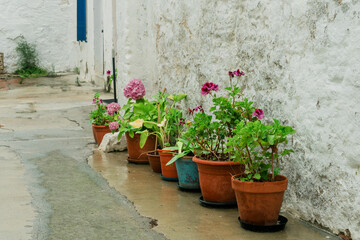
(256, 145)
(210, 132)
(99, 116)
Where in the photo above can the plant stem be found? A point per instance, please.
(247, 149)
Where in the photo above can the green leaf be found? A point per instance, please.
(131, 134)
(180, 146)
(276, 171)
(257, 176)
(171, 148)
(177, 97)
(286, 151)
(143, 137)
(176, 157)
(270, 139)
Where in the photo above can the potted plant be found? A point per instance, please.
(99, 119)
(132, 118)
(186, 168)
(260, 189)
(210, 133)
(166, 130)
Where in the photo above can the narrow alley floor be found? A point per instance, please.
(54, 184)
(47, 189)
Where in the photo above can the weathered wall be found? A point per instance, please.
(302, 60)
(51, 25)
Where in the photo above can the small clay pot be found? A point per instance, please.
(168, 172)
(99, 132)
(154, 160)
(259, 203)
(137, 154)
(215, 179)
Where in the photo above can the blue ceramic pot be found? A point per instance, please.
(188, 174)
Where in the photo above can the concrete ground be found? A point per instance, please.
(49, 191)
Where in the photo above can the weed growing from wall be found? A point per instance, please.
(28, 60)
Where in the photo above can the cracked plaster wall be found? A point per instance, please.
(51, 25)
(302, 60)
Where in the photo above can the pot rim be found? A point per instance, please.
(99, 126)
(259, 187)
(215, 163)
(153, 155)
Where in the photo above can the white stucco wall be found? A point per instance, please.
(302, 60)
(51, 25)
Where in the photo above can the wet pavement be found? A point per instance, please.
(179, 214)
(49, 191)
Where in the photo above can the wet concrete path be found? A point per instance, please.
(47, 189)
(179, 214)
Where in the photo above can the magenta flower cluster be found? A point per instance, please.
(114, 126)
(135, 89)
(108, 72)
(258, 113)
(208, 87)
(236, 73)
(97, 100)
(197, 108)
(181, 121)
(112, 108)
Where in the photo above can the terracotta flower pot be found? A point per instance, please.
(137, 154)
(154, 160)
(259, 203)
(215, 179)
(167, 172)
(99, 132)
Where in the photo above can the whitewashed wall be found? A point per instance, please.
(302, 60)
(51, 25)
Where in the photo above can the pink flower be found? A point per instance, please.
(258, 113)
(135, 89)
(239, 73)
(114, 126)
(208, 87)
(112, 108)
(108, 72)
(100, 101)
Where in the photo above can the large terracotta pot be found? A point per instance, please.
(259, 203)
(167, 172)
(99, 132)
(215, 179)
(137, 154)
(154, 160)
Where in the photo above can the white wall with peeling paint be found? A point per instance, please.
(302, 60)
(51, 25)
